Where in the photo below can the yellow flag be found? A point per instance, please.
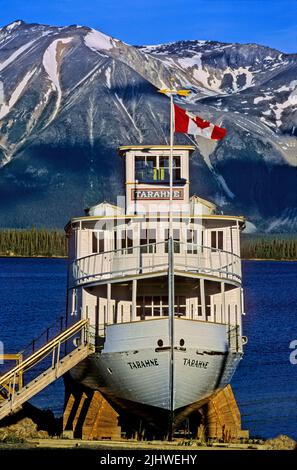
(175, 92)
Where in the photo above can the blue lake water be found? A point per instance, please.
(32, 296)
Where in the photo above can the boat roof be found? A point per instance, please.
(124, 148)
(241, 219)
(205, 202)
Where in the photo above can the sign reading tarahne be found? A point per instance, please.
(156, 194)
(143, 364)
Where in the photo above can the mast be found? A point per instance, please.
(171, 277)
(171, 295)
(171, 165)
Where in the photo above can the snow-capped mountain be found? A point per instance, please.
(69, 96)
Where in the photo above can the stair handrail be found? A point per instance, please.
(58, 323)
(40, 353)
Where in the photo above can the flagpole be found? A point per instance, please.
(171, 277)
(170, 241)
(171, 166)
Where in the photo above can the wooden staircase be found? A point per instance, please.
(12, 391)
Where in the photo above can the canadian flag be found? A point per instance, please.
(189, 124)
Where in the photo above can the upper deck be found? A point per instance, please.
(131, 238)
(106, 248)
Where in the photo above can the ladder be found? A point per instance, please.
(12, 390)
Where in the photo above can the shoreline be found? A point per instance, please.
(66, 257)
(268, 259)
(35, 256)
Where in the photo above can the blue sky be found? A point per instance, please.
(268, 22)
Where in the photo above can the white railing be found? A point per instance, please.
(152, 258)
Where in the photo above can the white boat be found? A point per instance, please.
(160, 282)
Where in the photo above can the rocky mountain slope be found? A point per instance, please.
(70, 96)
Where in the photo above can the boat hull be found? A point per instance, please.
(135, 372)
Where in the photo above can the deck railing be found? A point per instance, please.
(152, 258)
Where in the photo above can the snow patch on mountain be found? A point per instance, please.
(51, 63)
(262, 98)
(200, 73)
(108, 77)
(6, 107)
(240, 78)
(124, 108)
(237, 75)
(279, 108)
(51, 60)
(96, 40)
(13, 25)
(156, 48)
(15, 55)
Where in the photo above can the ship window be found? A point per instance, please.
(157, 306)
(98, 241)
(152, 168)
(148, 240)
(115, 239)
(192, 241)
(164, 304)
(164, 168)
(127, 242)
(145, 167)
(180, 307)
(176, 240)
(94, 242)
(217, 240)
(207, 306)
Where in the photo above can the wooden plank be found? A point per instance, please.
(94, 417)
(222, 416)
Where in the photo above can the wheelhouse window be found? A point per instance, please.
(155, 168)
(98, 241)
(217, 240)
(145, 167)
(164, 168)
(148, 240)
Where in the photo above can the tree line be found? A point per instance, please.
(52, 243)
(269, 246)
(33, 242)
